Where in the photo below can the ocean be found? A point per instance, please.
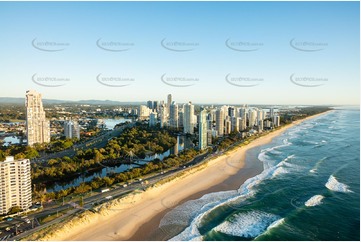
(309, 189)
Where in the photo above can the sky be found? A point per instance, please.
(205, 52)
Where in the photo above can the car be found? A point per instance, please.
(125, 185)
(7, 229)
(9, 219)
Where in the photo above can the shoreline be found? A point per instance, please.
(250, 169)
(136, 217)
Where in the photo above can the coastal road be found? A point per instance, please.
(99, 198)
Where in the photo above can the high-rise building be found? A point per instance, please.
(71, 129)
(260, 125)
(242, 112)
(252, 118)
(180, 117)
(271, 112)
(212, 115)
(188, 118)
(150, 105)
(155, 106)
(232, 111)
(267, 124)
(220, 122)
(227, 126)
(235, 123)
(276, 120)
(260, 115)
(144, 112)
(242, 124)
(15, 184)
(202, 130)
(243, 115)
(37, 126)
(173, 115)
(209, 137)
(169, 102)
(163, 115)
(152, 119)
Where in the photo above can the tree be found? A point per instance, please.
(19, 156)
(82, 188)
(52, 162)
(2, 155)
(15, 209)
(31, 153)
(108, 181)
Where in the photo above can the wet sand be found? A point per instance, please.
(150, 230)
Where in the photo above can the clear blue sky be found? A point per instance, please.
(207, 25)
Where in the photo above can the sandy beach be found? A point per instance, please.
(137, 216)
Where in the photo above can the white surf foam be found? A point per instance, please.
(244, 192)
(276, 223)
(284, 167)
(315, 168)
(336, 186)
(193, 212)
(263, 157)
(279, 170)
(186, 212)
(314, 201)
(247, 225)
(272, 226)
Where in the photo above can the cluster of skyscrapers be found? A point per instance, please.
(211, 122)
(15, 179)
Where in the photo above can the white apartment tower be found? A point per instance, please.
(152, 119)
(169, 102)
(173, 115)
(252, 118)
(276, 120)
(188, 118)
(144, 112)
(15, 184)
(71, 129)
(202, 140)
(37, 126)
(220, 122)
(163, 115)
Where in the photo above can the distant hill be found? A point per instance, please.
(15, 100)
(18, 100)
(107, 102)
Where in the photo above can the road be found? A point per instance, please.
(99, 198)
